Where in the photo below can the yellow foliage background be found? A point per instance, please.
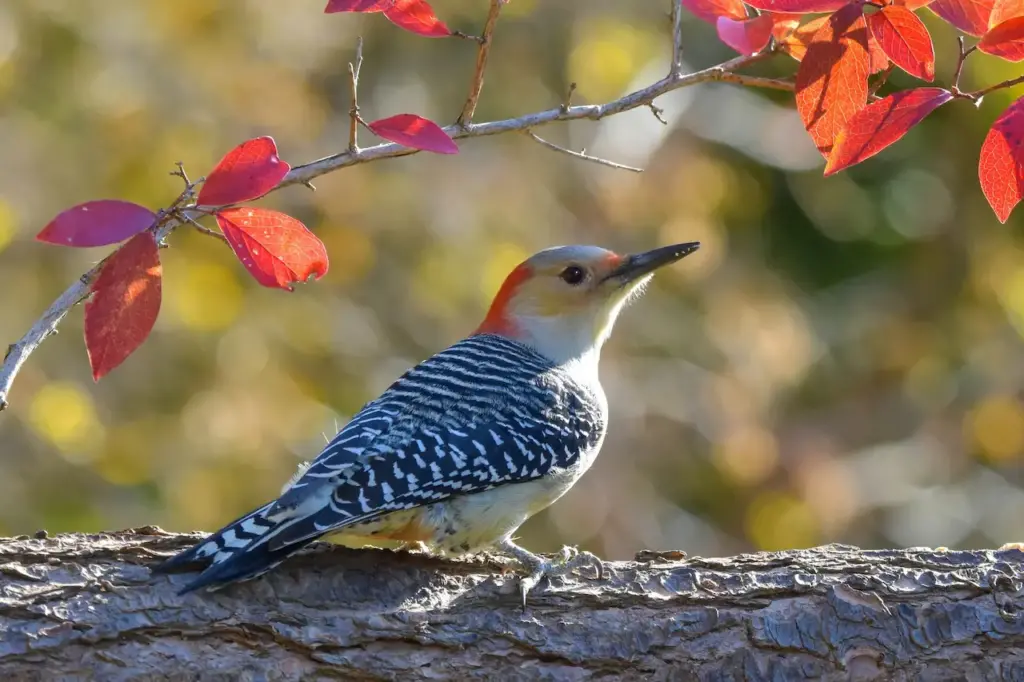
(841, 361)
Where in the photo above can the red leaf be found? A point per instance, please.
(97, 223)
(710, 10)
(414, 131)
(1004, 10)
(124, 304)
(1005, 40)
(905, 40)
(797, 6)
(1001, 166)
(747, 36)
(881, 123)
(275, 248)
(248, 171)
(357, 6)
(912, 4)
(795, 44)
(970, 16)
(879, 60)
(832, 81)
(417, 16)
(783, 24)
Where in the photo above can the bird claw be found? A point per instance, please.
(569, 559)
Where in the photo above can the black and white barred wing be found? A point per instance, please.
(434, 465)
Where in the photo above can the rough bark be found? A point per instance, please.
(88, 607)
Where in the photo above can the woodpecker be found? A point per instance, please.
(466, 446)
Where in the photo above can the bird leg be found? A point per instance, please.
(567, 561)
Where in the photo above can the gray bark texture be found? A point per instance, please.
(87, 607)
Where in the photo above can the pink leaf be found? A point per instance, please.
(970, 16)
(275, 248)
(97, 223)
(797, 6)
(417, 16)
(124, 305)
(357, 6)
(414, 131)
(248, 171)
(710, 10)
(882, 123)
(1001, 166)
(905, 40)
(1005, 40)
(747, 36)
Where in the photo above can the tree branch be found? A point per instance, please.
(582, 155)
(88, 607)
(978, 94)
(482, 53)
(676, 68)
(19, 352)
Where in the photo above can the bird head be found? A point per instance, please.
(564, 301)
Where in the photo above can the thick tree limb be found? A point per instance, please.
(87, 607)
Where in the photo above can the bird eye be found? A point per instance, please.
(573, 275)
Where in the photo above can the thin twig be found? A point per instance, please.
(583, 154)
(658, 113)
(978, 94)
(567, 102)
(477, 85)
(756, 81)
(961, 58)
(204, 229)
(353, 111)
(676, 68)
(882, 79)
(302, 175)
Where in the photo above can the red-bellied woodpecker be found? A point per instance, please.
(469, 444)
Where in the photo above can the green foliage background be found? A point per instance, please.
(840, 362)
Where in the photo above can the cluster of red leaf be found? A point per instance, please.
(274, 247)
(852, 40)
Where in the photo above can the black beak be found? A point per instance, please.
(639, 264)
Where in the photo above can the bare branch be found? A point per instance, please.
(168, 219)
(756, 81)
(353, 112)
(204, 229)
(676, 69)
(594, 112)
(568, 97)
(583, 154)
(978, 94)
(481, 64)
(658, 113)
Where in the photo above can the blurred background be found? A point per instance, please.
(841, 361)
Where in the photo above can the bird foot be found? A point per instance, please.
(569, 559)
